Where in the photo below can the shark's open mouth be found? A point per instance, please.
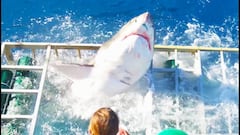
(143, 36)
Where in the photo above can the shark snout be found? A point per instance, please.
(147, 17)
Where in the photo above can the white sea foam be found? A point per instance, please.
(58, 109)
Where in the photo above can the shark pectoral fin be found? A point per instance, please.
(71, 71)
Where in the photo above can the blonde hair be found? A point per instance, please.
(104, 122)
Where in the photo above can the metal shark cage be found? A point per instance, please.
(51, 49)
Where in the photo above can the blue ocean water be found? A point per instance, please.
(177, 22)
(96, 21)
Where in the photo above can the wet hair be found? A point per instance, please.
(104, 122)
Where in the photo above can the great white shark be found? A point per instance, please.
(119, 63)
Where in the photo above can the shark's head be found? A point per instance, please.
(141, 25)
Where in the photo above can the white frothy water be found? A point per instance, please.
(142, 110)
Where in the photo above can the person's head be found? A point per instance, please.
(104, 122)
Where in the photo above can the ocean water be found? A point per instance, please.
(211, 23)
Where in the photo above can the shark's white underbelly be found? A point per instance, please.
(121, 65)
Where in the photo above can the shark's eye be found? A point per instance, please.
(145, 26)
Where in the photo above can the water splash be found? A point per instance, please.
(61, 114)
